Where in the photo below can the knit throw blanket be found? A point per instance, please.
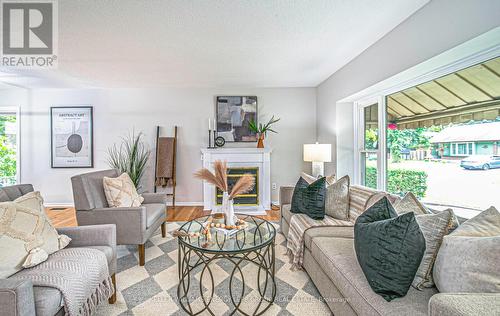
(299, 224)
(81, 274)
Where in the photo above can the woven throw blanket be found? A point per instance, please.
(299, 224)
(165, 161)
(81, 274)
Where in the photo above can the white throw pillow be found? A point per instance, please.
(468, 259)
(27, 237)
(34, 200)
(121, 192)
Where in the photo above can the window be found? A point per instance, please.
(462, 149)
(369, 150)
(9, 140)
(429, 138)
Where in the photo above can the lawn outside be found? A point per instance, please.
(449, 184)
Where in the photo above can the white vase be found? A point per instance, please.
(228, 209)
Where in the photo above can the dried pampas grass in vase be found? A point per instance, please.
(219, 179)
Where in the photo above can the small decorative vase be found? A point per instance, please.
(228, 209)
(260, 142)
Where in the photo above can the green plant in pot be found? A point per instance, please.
(130, 156)
(262, 129)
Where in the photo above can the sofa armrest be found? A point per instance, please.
(462, 304)
(16, 298)
(150, 198)
(93, 235)
(286, 193)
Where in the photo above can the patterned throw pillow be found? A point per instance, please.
(337, 199)
(389, 249)
(468, 259)
(434, 227)
(27, 237)
(34, 200)
(121, 192)
(309, 199)
(410, 203)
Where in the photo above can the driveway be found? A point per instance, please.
(449, 184)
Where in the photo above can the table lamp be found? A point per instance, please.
(318, 154)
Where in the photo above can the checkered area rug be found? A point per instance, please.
(152, 289)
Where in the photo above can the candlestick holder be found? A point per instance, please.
(210, 139)
(215, 136)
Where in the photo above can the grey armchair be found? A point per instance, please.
(20, 297)
(134, 225)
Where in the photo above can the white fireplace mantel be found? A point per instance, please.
(240, 157)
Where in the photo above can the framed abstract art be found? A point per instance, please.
(72, 137)
(233, 116)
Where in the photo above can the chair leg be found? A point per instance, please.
(142, 259)
(112, 299)
(163, 229)
(173, 196)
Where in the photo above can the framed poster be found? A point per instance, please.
(72, 137)
(233, 116)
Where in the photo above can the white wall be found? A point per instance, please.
(118, 111)
(435, 28)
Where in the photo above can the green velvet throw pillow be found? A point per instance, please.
(389, 248)
(309, 199)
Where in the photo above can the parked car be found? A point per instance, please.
(484, 162)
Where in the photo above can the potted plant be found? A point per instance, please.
(131, 156)
(219, 179)
(262, 129)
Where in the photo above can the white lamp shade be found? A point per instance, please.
(318, 152)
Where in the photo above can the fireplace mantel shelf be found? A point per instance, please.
(238, 157)
(236, 150)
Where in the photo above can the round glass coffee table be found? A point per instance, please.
(253, 244)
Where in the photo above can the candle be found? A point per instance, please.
(209, 124)
(215, 125)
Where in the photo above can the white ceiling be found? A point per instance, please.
(190, 43)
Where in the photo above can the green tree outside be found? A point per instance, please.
(8, 157)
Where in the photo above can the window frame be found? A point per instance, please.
(454, 152)
(17, 111)
(363, 99)
(359, 139)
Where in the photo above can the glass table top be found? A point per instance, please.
(253, 234)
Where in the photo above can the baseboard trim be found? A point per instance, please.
(58, 205)
(169, 204)
(188, 203)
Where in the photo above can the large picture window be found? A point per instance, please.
(440, 139)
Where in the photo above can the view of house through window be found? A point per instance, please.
(443, 138)
(8, 148)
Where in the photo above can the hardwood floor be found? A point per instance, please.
(65, 216)
(62, 216)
